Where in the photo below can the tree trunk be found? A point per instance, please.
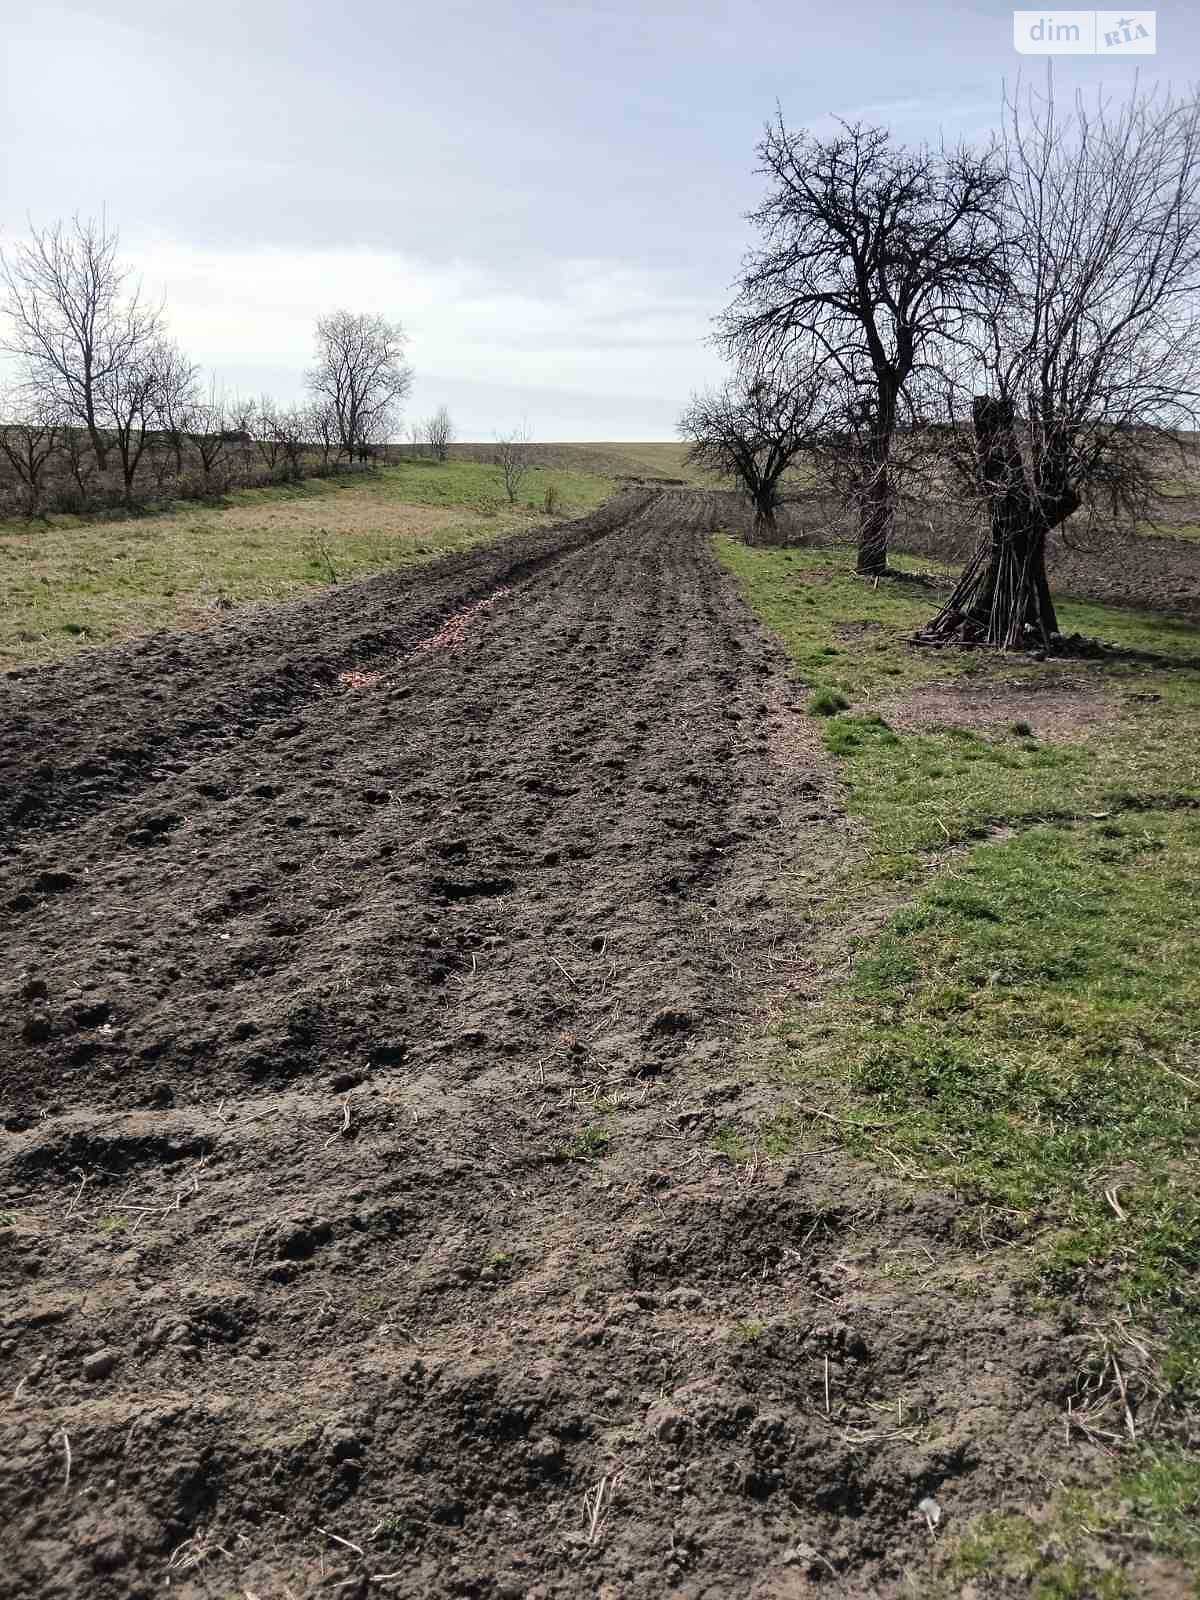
(1003, 597)
(766, 529)
(875, 515)
(99, 448)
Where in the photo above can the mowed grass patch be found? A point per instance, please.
(845, 633)
(67, 583)
(1025, 1030)
(1028, 1032)
(920, 792)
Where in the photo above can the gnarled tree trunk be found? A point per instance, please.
(875, 522)
(1003, 597)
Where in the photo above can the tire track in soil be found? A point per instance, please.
(301, 1044)
(116, 721)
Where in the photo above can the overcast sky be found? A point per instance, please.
(548, 197)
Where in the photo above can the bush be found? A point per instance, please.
(551, 500)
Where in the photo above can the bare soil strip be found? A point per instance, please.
(364, 1045)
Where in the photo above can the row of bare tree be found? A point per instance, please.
(106, 407)
(1012, 332)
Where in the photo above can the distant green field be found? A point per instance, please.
(613, 459)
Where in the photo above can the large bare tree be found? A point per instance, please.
(360, 371)
(73, 323)
(871, 255)
(1088, 347)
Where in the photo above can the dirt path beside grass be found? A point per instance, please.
(372, 1219)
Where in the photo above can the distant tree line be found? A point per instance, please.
(1008, 334)
(106, 410)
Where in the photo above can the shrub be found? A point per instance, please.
(827, 703)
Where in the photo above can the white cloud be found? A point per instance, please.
(613, 346)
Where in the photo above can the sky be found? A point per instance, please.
(549, 198)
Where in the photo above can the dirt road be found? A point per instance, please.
(377, 974)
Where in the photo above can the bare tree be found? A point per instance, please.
(291, 429)
(871, 254)
(1089, 349)
(360, 372)
(439, 430)
(207, 426)
(375, 434)
(72, 324)
(323, 429)
(29, 435)
(753, 430)
(81, 463)
(512, 457)
(127, 404)
(416, 443)
(261, 422)
(176, 398)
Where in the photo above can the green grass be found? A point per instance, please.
(1041, 1559)
(827, 703)
(590, 1143)
(610, 459)
(1160, 1497)
(69, 583)
(1029, 1025)
(921, 792)
(841, 630)
(774, 1137)
(1154, 1505)
(1024, 1030)
(475, 484)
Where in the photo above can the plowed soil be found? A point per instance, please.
(377, 973)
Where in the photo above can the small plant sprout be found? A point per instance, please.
(590, 1143)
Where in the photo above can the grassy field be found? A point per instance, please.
(67, 583)
(1017, 1020)
(638, 460)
